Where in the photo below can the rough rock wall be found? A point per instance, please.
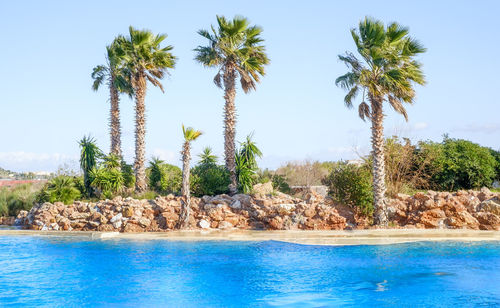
(464, 209)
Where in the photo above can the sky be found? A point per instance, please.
(297, 113)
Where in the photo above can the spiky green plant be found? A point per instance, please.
(147, 62)
(235, 48)
(246, 164)
(386, 72)
(89, 156)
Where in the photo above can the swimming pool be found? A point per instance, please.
(71, 271)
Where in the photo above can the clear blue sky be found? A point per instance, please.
(49, 48)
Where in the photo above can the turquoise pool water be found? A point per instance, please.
(51, 271)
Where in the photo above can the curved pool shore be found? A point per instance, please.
(332, 238)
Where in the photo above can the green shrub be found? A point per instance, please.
(496, 155)
(164, 178)
(107, 180)
(351, 185)
(209, 179)
(128, 175)
(15, 199)
(464, 165)
(60, 189)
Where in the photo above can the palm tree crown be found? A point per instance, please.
(190, 134)
(113, 72)
(146, 61)
(237, 45)
(388, 69)
(144, 57)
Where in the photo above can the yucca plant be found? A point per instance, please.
(190, 134)
(89, 156)
(235, 48)
(246, 164)
(386, 72)
(147, 62)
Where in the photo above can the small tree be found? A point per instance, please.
(190, 134)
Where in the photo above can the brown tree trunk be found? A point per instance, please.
(115, 120)
(230, 125)
(185, 191)
(379, 189)
(140, 134)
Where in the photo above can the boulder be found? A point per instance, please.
(263, 188)
(204, 224)
(491, 206)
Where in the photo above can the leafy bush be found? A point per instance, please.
(209, 179)
(464, 165)
(107, 180)
(128, 175)
(15, 199)
(496, 155)
(164, 178)
(352, 185)
(305, 173)
(60, 189)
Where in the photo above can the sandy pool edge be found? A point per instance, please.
(354, 237)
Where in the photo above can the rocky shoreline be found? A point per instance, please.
(476, 210)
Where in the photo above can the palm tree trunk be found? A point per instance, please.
(378, 162)
(230, 125)
(186, 195)
(115, 120)
(140, 134)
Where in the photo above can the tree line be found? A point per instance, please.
(385, 70)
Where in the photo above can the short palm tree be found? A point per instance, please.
(386, 72)
(146, 62)
(117, 80)
(235, 48)
(207, 157)
(190, 134)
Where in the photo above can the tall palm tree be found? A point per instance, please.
(117, 80)
(235, 48)
(190, 134)
(386, 72)
(147, 62)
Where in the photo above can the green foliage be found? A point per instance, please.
(60, 189)
(89, 156)
(279, 182)
(128, 175)
(207, 157)
(107, 180)
(496, 155)
(387, 70)
(246, 164)
(236, 44)
(142, 56)
(208, 178)
(15, 199)
(463, 165)
(352, 185)
(164, 178)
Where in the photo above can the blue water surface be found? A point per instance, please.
(68, 272)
